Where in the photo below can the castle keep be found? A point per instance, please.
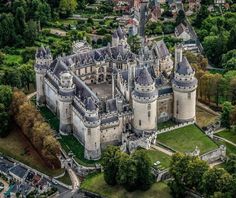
(110, 95)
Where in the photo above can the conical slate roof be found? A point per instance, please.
(114, 35)
(144, 77)
(90, 105)
(184, 67)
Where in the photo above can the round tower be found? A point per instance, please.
(92, 149)
(144, 99)
(43, 59)
(184, 87)
(65, 98)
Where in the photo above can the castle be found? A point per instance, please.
(111, 95)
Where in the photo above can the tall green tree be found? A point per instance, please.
(144, 174)
(67, 7)
(225, 116)
(180, 17)
(7, 30)
(4, 121)
(31, 32)
(5, 95)
(110, 162)
(20, 20)
(216, 180)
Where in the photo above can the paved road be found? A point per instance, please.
(6, 186)
(163, 150)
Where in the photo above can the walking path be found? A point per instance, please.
(29, 96)
(219, 130)
(216, 163)
(221, 138)
(163, 150)
(205, 107)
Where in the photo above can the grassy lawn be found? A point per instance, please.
(50, 118)
(97, 184)
(18, 147)
(204, 118)
(166, 124)
(159, 156)
(70, 143)
(65, 179)
(229, 135)
(186, 139)
(12, 59)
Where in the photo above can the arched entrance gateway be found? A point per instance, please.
(101, 78)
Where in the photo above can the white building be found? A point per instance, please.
(102, 95)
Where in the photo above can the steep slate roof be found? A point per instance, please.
(101, 54)
(180, 29)
(144, 77)
(43, 52)
(160, 49)
(90, 105)
(184, 67)
(111, 105)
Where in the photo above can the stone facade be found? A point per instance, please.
(103, 95)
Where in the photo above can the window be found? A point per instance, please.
(89, 131)
(189, 95)
(149, 106)
(140, 123)
(86, 70)
(177, 108)
(149, 114)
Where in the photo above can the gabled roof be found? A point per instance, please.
(180, 29)
(160, 50)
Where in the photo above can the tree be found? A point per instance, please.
(135, 43)
(67, 7)
(216, 180)
(233, 90)
(231, 164)
(90, 21)
(225, 116)
(7, 30)
(51, 151)
(129, 174)
(232, 37)
(12, 77)
(229, 60)
(187, 172)
(18, 98)
(27, 75)
(5, 95)
(110, 162)
(41, 130)
(31, 32)
(144, 174)
(202, 14)
(20, 20)
(180, 17)
(4, 121)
